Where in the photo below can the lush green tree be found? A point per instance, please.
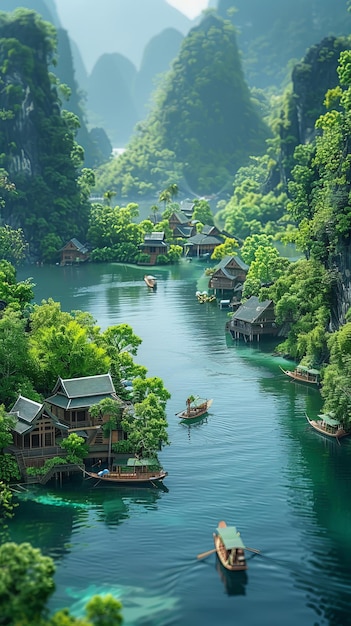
(104, 611)
(26, 583)
(252, 243)
(142, 387)
(18, 294)
(230, 247)
(337, 375)
(7, 423)
(6, 509)
(202, 212)
(121, 338)
(174, 253)
(75, 447)
(146, 426)
(266, 267)
(302, 297)
(64, 344)
(67, 351)
(113, 410)
(251, 209)
(114, 233)
(12, 244)
(16, 366)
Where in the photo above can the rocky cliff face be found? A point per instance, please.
(341, 293)
(311, 79)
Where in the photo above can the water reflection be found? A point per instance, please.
(234, 582)
(48, 518)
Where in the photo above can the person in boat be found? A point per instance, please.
(240, 556)
(232, 556)
(103, 472)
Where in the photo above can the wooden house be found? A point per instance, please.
(181, 225)
(71, 401)
(187, 207)
(74, 252)
(228, 277)
(35, 427)
(253, 320)
(154, 244)
(201, 244)
(36, 435)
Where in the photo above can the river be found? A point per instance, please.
(253, 462)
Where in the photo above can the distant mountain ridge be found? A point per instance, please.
(117, 26)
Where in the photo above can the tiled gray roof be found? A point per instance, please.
(85, 386)
(26, 409)
(181, 217)
(200, 239)
(251, 310)
(154, 236)
(224, 262)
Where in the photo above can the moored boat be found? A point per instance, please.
(329, 426)
(195, 406)
(151, 281)
(303, 374)
(230, 548)
(137, 472)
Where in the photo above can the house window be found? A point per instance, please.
(35, 440)
(78, 417)
(49, 439)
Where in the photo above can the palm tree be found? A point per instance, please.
(108, 195)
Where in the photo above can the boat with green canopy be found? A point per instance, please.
(328, 425)
(303, 374)
(230, 547)
(195, 406)
(137, 472)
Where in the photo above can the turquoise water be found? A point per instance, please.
(253, 462)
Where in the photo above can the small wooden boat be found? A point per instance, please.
(137, 472)
(302, 374)
(195, 406)
(230, 548)
(329, 426)
(151, 281)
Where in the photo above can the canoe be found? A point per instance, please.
(136, 472)
(196, 406)
(329, 426)
(302, 374)
(230, 548)
(151, 281)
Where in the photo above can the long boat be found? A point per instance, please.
(137, 472)
(230, 548)
(329, 426)
(302, 374)
(195, 406)
(151, 281)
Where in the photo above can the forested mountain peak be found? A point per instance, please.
(204, 121)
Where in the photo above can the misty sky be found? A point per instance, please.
(190, 8)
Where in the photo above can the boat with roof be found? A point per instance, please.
(151, 281)
(329, 425)
(230, 547)
(137, 472)
(195, 407)
(303, 374)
